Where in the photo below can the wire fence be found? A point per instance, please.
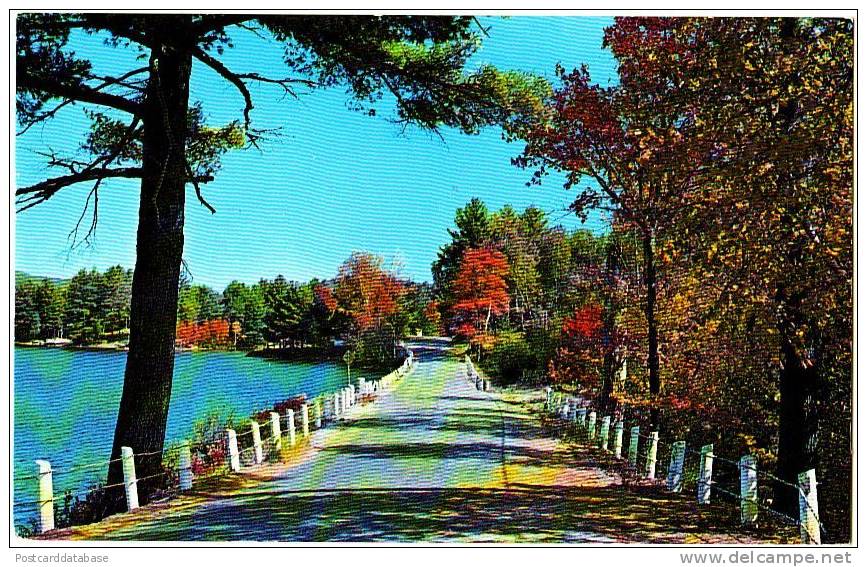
(658, 461)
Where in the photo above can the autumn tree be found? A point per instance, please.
(519, 237)
(580, 356)
(480, 294)
(472, 230)
(369, 295)
(771, 233)
(635, 161)
(146, 127)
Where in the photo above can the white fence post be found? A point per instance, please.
(618, 439)
(129, 481)
(808, 500)
(336, 405)
(674, 481)
(185, 467)
(651, 454)
(591, 426)
(580, 417)
(234, 454)
(705, 474)
(257, 442)
(633, 448)
(46, 496)
(749, 489)
(290, 426)
(603, 432)
(317, 413)
(305, 420)
(275, 430)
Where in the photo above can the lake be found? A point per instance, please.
(66, 404)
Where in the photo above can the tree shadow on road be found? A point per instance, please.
(521, 513)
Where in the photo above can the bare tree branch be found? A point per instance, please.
(233, 78)
(44, 190)
(94, 192)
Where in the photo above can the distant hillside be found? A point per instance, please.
(24, 277)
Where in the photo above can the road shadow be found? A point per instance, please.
(530, 513)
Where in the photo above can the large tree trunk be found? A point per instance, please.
(650, 317)
(797, 449)
(609, 322)
(147, 386)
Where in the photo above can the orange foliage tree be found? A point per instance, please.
(480, 292)
(369, 295)
(213, 332)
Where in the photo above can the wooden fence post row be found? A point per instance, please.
(809, 523)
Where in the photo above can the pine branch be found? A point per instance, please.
(80, 93)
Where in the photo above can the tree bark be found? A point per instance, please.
(609, 322)
(797, 449)
(650, 317)
(144, 405)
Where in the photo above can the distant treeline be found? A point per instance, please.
(367, 306)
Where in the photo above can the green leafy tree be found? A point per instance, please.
(51, 304)
(243, 307)
(188, 303)
(472, 230)
(85, 317)
(118, 287)
(28, 324)
(287, 305)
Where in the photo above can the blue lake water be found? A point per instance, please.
(66, 404)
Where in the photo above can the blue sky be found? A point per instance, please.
(334, 182)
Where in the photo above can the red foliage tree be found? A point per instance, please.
(325, 296)
(480, 292)
(579, 358)
(213, 332)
